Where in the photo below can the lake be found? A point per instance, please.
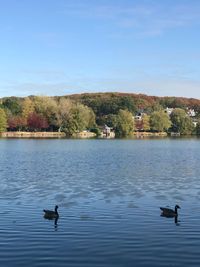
(109, 193)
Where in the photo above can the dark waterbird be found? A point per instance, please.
(50, 214)
(166, 212)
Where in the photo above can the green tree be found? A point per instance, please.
(146, 122)
(159, 121)
(64, 113)
(181, 122)
(124, 123)
(81, 118)
(13, 105)
(198, 128)
(3, 120)
(127, 103)
(74, 117)
(110, 120)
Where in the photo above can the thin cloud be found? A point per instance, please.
(157, 86)
(25, 89)
(145, 19)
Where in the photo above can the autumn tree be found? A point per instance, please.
(47, 107)
(17, 123)
(37, 122)
(27, 107)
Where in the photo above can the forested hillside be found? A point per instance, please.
(110, 103)
(74, 113)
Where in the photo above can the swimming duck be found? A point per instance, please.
(166, 212)
(50, 214)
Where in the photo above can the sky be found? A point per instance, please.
(60, 47)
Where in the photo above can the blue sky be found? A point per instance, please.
(59, 47)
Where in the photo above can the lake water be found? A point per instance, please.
(109, 193)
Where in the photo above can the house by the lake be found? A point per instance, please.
(107, 132)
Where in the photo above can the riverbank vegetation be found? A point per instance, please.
(124, 113)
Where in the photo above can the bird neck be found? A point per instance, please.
(176, 210)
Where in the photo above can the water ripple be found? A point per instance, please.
(109, 194)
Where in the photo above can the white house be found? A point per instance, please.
(169, 110)
(191, 112)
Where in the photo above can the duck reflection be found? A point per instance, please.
(55, 221)
(55, 224)
(176, 220)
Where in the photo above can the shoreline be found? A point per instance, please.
(32, 134)
(149, 134)
(87, 135)
(82, 135)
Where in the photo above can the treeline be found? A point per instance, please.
(110, 103)
(37, 113)
(116, 109)
(75, 113)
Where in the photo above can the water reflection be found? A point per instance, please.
(176, 221)
(55, 221)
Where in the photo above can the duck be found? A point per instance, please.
(50, 214)
(166, 212)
